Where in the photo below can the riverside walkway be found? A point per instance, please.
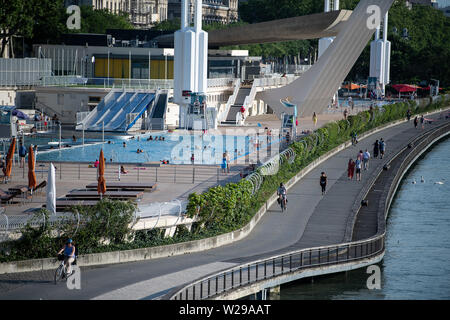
(311, 220)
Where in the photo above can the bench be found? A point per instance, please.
(125, 186)
(119, 195)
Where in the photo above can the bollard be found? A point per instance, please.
(156, 174)
(193, 175)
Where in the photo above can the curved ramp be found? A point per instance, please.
(313, 91)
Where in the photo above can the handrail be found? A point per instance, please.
(222, 115)
(288, 262)
(339, 253)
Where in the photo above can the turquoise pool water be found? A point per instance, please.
(177, 148)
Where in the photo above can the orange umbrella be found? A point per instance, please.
(350, 86)
(9, 157)
(101, 187)
(31, 174)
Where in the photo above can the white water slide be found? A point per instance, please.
(111, 113)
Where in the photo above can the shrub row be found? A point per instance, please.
(219, 210)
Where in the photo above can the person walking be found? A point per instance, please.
(224, 163)
(350, 169)
(422, 121)
(360, 155)
(354, 136)
(408, 114)
(22, 154)
(358, 169)
(366, 157)
(227, 157)
(382, 148)
(416, 122)
(376, 149)
(314, 119)
(345, 114)
(323, 182)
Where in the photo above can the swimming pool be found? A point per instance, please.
(177, 148)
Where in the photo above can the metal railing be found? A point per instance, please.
(286, 263)
(14, 223)
(295, 261)
(223, 114)
(180, 174)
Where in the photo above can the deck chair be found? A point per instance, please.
(6, 197)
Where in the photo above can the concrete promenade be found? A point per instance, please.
(311, 220)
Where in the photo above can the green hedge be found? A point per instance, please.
(221, 209)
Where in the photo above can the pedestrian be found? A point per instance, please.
(345, 114)
(382, 148)
(323, 182)
(366, 157)
(224, 163)
(314, 119)
(422, 121)
(408, 114)
(360, 155)
(358, 169)
(22, 154)
(416, 122)
(376, 149)
(354, 136)
(192, 159)
(227, 157)
(351, 169)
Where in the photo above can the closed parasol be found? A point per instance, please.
(9, 157)
(31, 174)
(101, 187)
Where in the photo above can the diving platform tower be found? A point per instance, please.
(190, 74)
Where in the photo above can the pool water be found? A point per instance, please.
(177, 148)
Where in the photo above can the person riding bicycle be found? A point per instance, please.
(282, 193)
(69, 255)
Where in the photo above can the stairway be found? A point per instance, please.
(159, 111)
(236, 107)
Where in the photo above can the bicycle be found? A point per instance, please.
(61, 272)
(282, 200)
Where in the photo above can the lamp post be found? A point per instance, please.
(108, 67)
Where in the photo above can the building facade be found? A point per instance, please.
(214, 11)
(143, 13)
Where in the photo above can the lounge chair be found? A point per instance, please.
(6, 197)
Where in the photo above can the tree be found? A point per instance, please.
(21, 17)
(97, 21)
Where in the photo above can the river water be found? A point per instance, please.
(416, 264)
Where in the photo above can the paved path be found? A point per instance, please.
(311, 220)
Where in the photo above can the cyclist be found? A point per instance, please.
(282, 193)
(69, 255)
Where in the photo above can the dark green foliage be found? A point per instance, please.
(221, 209)
(107, 223)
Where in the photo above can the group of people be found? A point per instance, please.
(157, 138)
(355, 167)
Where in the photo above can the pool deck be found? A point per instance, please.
(173, 181)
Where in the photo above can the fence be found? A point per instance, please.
(292, 262)
(66, 81)
(14, 223)
(23, 72)
(165, 174)
(246, 274)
